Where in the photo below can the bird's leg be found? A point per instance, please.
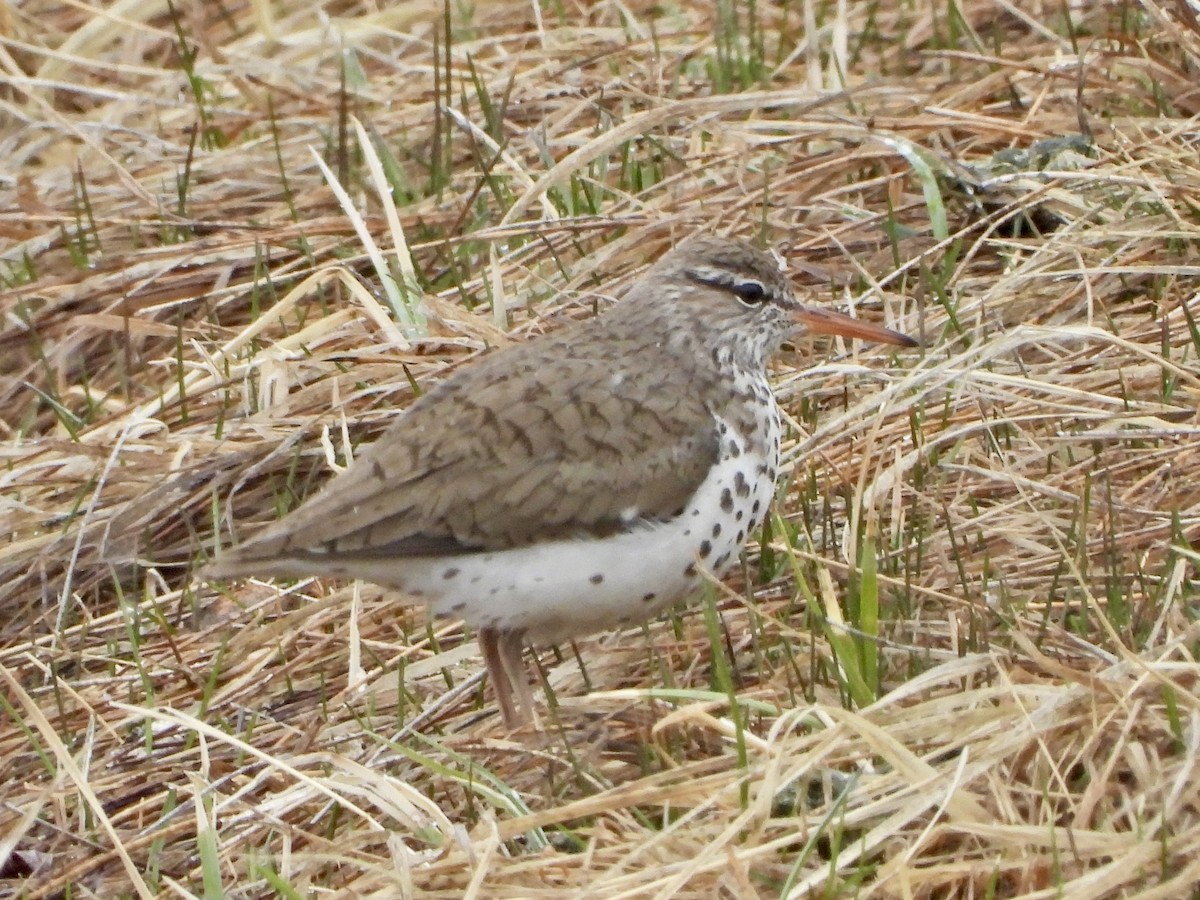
(491, 643)
(511, 646)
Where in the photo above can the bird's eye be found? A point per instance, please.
(751, 293)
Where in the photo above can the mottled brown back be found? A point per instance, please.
(577, 434)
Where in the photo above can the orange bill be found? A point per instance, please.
(826, 321)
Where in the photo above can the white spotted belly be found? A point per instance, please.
(558, 590)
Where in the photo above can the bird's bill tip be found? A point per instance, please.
(826, 321)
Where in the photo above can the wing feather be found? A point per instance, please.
(524, 446)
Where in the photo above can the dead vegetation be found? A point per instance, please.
(961, 660)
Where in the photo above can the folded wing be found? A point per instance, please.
(523, 447)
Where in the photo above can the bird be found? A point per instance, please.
(577, 482)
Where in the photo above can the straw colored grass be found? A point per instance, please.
(959, 662)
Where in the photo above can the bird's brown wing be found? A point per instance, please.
(524, 446)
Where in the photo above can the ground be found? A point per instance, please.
(959, 661)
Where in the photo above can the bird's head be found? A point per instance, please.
(742, 295)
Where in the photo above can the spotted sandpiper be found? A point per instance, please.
(579, 481)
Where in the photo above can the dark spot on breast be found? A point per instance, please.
(690, 571)
(650, 597)
(679, 512)
(459, 606)
(756, 507)
(721, 560)
(771, 473)
(450, 573)
(717, 530)
(705, 549)
(722, 429)
(377, 470)
(695, 512)
(740, 485)
(733, 450)
(726, 500)
(597, 579)
(741, 536)
(477, 579)
(740, 514)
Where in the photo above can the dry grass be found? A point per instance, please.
(968, 667)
